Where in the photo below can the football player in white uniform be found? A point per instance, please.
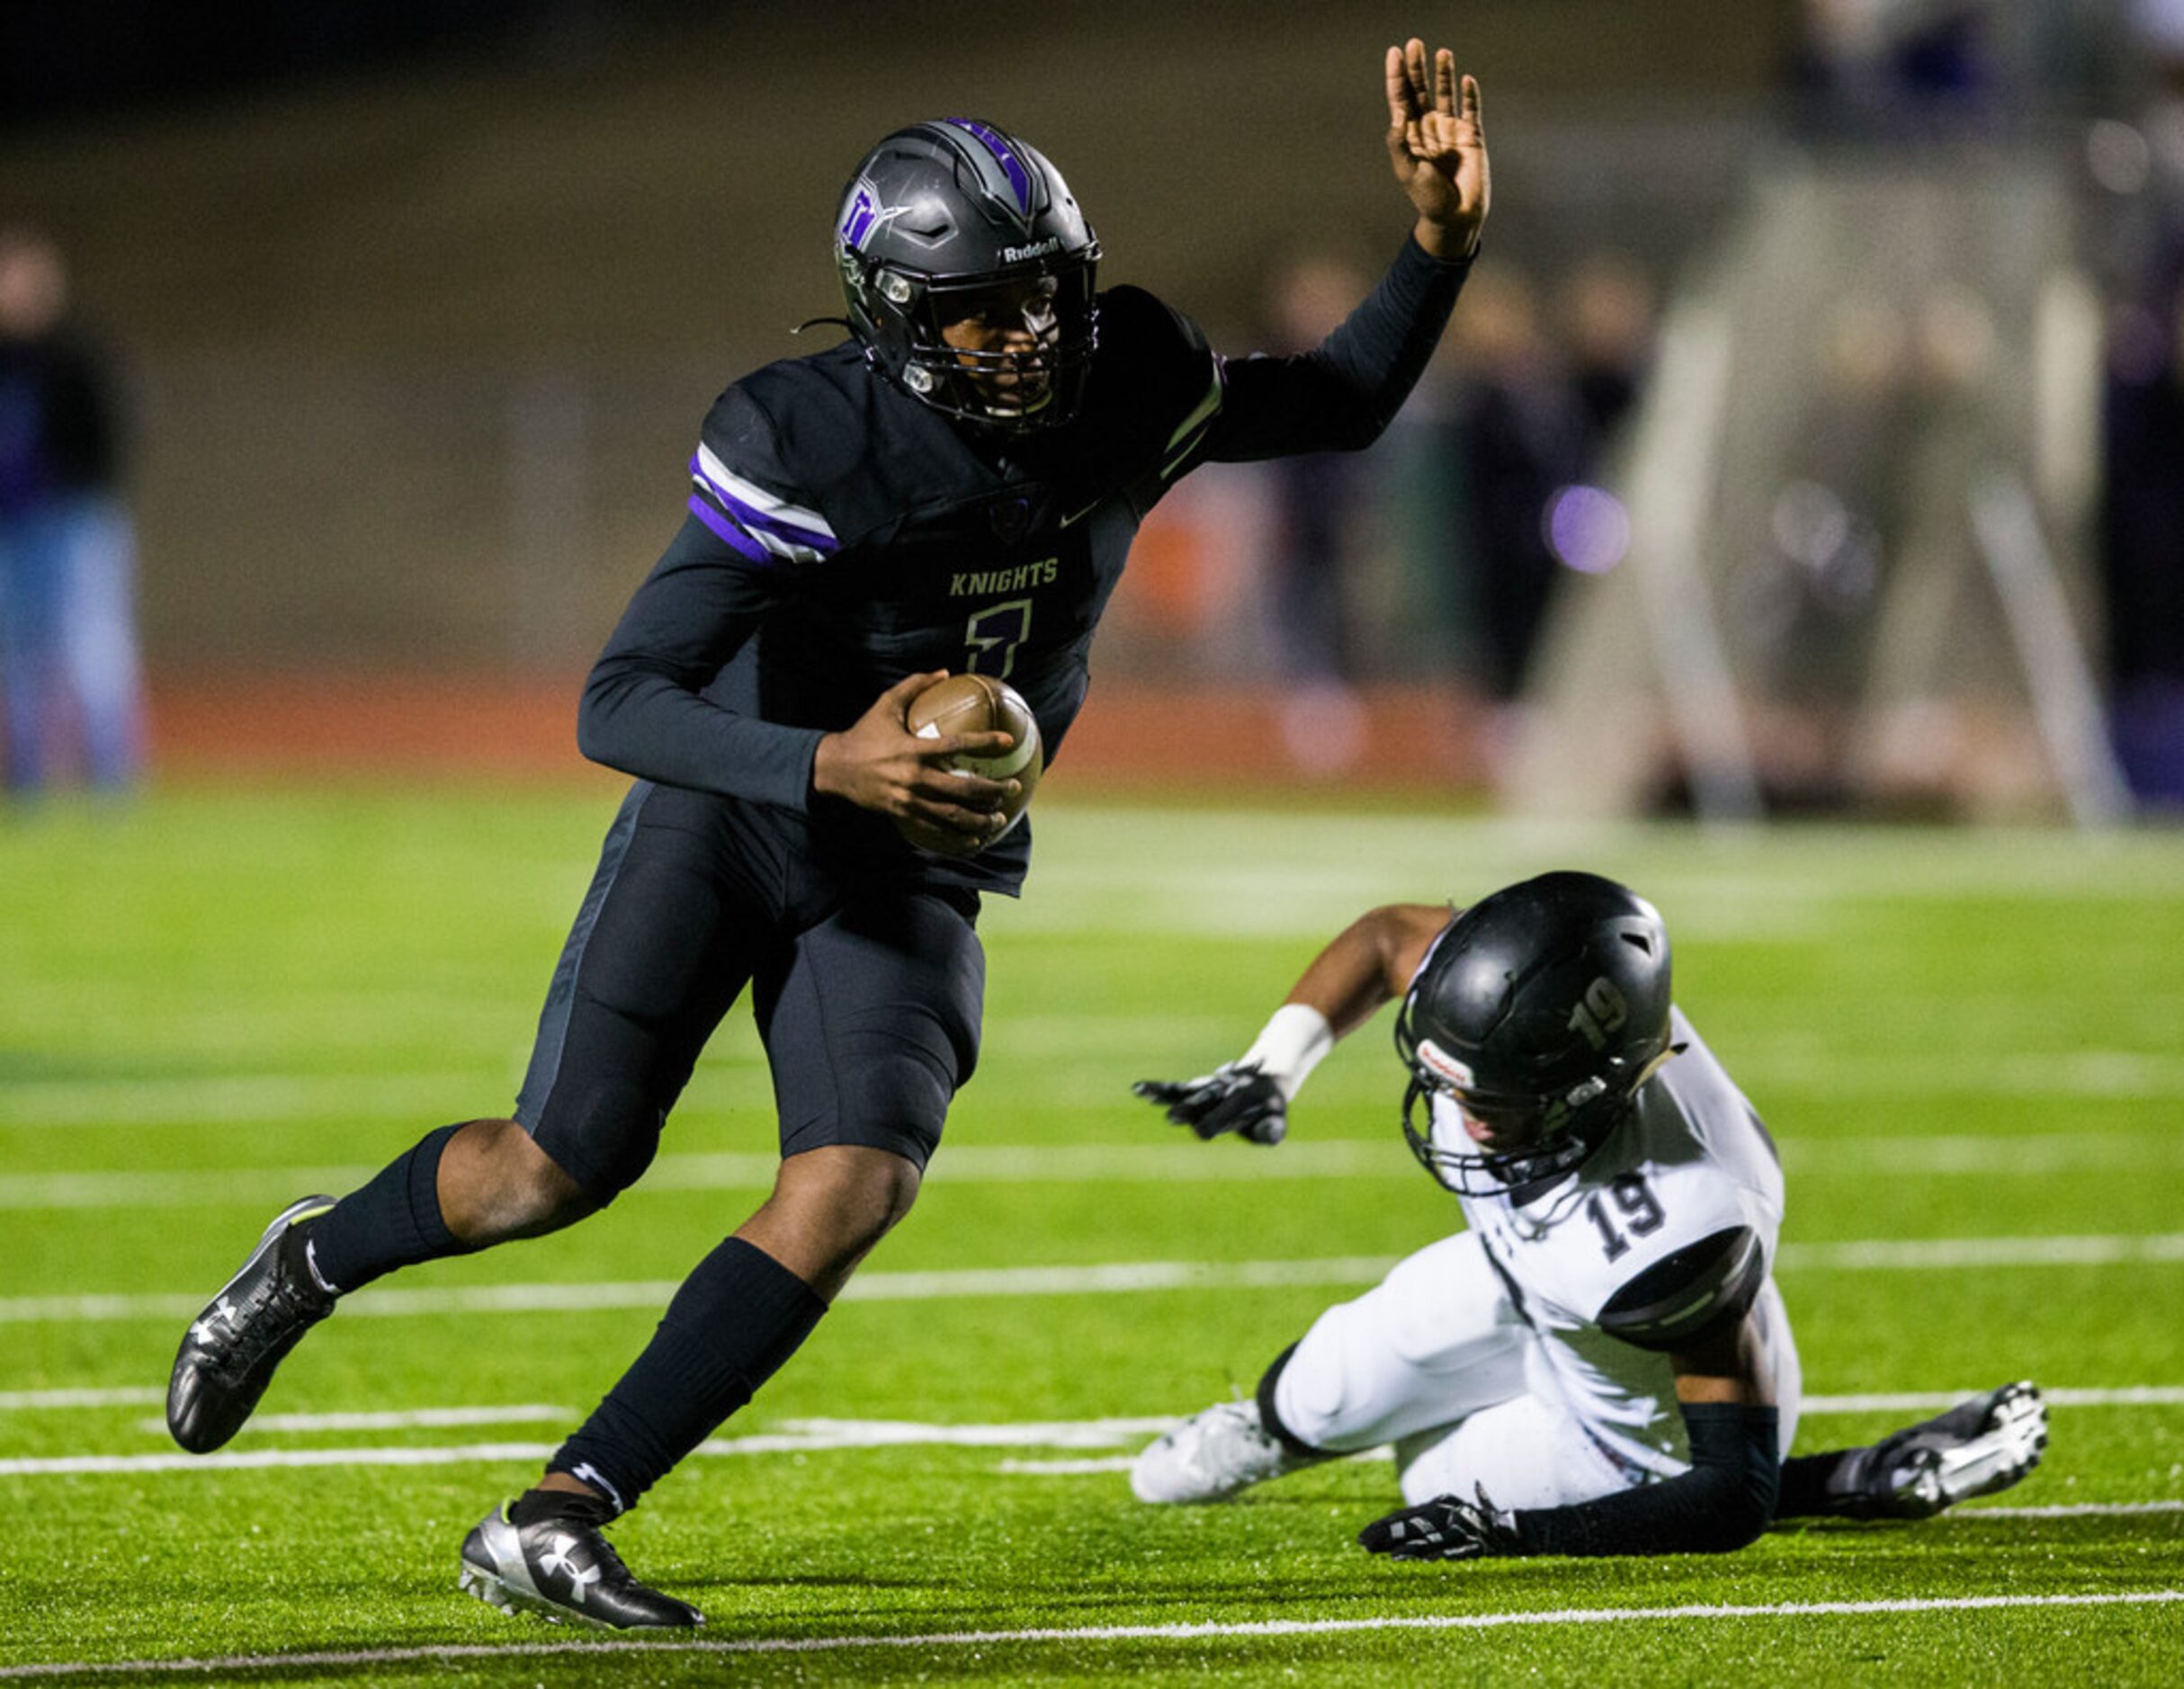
(1600, 1363)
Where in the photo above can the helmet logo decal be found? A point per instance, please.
(866, 217)
(1019, 179)
(1442, 1064)
(1037, 249)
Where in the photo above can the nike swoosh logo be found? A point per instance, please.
(1079, 516)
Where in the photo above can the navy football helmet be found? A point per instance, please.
(1539, 1012)
(957, 220)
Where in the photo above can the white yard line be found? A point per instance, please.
(1111, 1278)
(1934, 1401)
(1203, 1632)
(516, 1413)
(803, 1436)
(1381, 1158)
(350, 1099)
(1924, 1253)
(35, 1400)
(401, 1419)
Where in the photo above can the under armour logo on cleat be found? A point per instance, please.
(560, 1562)
(224, 1309)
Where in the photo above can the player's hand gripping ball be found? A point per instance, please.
(979, 704)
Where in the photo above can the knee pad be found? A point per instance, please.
(602, 1140)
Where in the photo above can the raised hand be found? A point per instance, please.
(1436, 145)
(878, 763)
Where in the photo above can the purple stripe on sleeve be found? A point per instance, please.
(728, 532)
(751, 516)
(997, 145)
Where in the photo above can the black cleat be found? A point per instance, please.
(1982, 1445)
(562, 1567)
(230, 1350)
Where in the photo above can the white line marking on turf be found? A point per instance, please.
(2027, 1155)
(795, 1436)
(1111, 1278)
(1111, 1633)
(1933, 1401)
(401, 1419)
(1919, 1255)
(32, 1400)
(191, 1099)
(2067, 1510)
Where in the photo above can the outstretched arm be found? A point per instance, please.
(1339, 396)
(1368, 963)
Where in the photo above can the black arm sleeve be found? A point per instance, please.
(1339, 397)
(1724, 1502)
(641, 711)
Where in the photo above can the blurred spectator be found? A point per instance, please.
(1314, 500)
(1887, 67)
(68, 663)
(2142, 539)
(1604, 309)
(1514, 433)
(1313, 496)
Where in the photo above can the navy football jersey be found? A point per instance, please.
(841, 535)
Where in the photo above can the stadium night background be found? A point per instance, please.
(1789, 527)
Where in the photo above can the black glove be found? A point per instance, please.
(1229, 1099)
(1447, 1528)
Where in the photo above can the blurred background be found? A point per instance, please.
(1810, 437)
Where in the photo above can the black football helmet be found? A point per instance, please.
(1540, 1011)
(942, 221)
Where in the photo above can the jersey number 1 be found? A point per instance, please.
(993, 635)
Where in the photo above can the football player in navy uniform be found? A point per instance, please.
(1600, 1363)
(955, 487)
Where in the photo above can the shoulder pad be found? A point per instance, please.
(747, 492)
(1149, 325)
(1686, 1296)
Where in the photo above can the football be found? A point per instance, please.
(979, 704)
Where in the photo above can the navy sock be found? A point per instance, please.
(736, 1319)
(394, 1222)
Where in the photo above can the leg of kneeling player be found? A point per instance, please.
(1432, 1344)
(1539, 1450)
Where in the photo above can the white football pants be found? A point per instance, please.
(1435, 1360)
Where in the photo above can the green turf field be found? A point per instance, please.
(1968, 1045)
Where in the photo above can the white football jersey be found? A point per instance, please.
(1691, 1162)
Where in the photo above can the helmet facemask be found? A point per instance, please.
(1561, 1130)
(1015, 387)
